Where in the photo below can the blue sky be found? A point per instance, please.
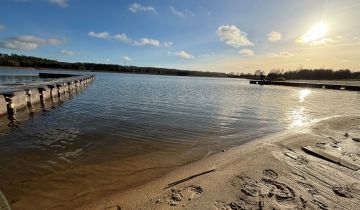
(208, 35)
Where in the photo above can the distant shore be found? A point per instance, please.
(268, 173)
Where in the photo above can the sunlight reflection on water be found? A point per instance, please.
(303, 93)
(298, 115)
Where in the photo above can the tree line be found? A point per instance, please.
(313, 74)
(14, 60)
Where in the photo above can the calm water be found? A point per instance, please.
(128, 128)
(9, 78)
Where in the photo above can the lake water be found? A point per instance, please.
(125, 129)
(9, 78)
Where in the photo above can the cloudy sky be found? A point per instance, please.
(208, 35)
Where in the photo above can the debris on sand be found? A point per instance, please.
(330, 157)
(343, 192)
(356, 139)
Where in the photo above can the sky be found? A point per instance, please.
(207, 35)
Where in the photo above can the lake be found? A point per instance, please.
(125, 129)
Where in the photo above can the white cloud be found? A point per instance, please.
(67, 52)
(135, 7)
(184, 55)
(274, 36)
(147, 41)
(246, 52)
(167, 44)
(126, 58)
(122, 37)
(322, 41)
(280, 55)
(176, 12)
(142, 42)
(233, 36)
(2, 27)
(28, 42)
(53, 41)
(60, 3)
(99, 35)
(180, 13)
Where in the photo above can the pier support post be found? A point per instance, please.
(33, 96)
(54, 92)
(62, 88)
(17, 100)
(45, 93)
(71, 85)
(3, 105)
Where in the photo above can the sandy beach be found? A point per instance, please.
(268, 173)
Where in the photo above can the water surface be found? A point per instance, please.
(125, 129)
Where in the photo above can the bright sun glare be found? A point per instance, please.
(303, 93)
(316, 33)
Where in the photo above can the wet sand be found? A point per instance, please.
(268, 173)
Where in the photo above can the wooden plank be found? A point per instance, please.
(329, 157)
(4, 205)
(188, 178)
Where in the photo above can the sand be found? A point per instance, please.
(268, 173)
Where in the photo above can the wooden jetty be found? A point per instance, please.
(308, 85)
(20, 97)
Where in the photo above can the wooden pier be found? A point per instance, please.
(308, 85)
(20, 97)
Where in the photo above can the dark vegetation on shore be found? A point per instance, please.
(15, 60)
(314, 74)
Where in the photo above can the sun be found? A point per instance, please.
(316, 34)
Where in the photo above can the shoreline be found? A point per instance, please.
(270, 172)
(116, 72)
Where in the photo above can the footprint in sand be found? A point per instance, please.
(282, 192)
(309, 188)
(270, 173)
(221, 205)
(267, 193)
(320, 204)
(116, 207)
(247, 185)
(182, 196)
